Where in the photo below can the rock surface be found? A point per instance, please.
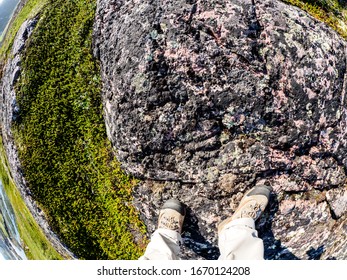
(8, 113)
(204, 99)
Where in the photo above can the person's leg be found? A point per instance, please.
(238, 240)
(237, 237)
(164, 245)
(165, 241)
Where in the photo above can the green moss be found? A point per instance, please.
(68, 161)
(35, 243)
(332, 12)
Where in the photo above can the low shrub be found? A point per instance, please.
(68, 162)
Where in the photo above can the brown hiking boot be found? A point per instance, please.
(252, 205)
(172, 215)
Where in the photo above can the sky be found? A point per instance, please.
(6, 9)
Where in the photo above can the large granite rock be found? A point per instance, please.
(204, 99)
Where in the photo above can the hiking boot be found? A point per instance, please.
(252, 205)
(171, 215)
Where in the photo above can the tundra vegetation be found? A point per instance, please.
(61, 137)
(37, 246)
(68, 162)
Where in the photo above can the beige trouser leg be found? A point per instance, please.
(164, 245)
(239, 241)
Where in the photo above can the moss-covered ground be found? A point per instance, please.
(67, 159)
(36, 245)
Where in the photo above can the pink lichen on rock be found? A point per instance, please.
(213, 97)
